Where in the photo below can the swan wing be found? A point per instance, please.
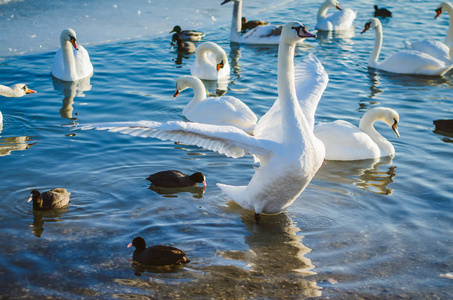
(311, 81)
(264, 34)
(84, 68)
(227, 140)
(224, 110)
(57, 68)
(83, 63)
(413, 62)
(340, 20)
(344, 141)
(436, 49)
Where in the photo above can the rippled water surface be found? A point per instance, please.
(365, 229)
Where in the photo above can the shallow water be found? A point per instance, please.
(366, 229)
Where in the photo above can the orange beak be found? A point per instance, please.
(338, 7)
(220, 66)
(367, 26)
(74, 44)
(130, 245)
(395, 129)
(28, 91)
(176, 94)
(438, 12)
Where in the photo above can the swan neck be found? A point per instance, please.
(68, 59)
(367, 125)
(285, 82)
(237, 19)
(292, 116)
(449, 38)
(322, 11)
(198, 96)
(372, 61)
(201, 55)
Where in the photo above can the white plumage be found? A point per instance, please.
(339, 20)
(344, 141)
(71, 61)
(437, 49)
(287, 163)
(403, 62)
(225, 110)
(211, 62)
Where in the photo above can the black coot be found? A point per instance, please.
(159, 255)
(175, 179)
(381, 12)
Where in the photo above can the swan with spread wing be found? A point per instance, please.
(284, 143)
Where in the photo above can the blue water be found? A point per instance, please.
(365, 229)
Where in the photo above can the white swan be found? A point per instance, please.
(211, 62)
(225, 110)
(264, 34)
(287, 164)
(69, 64)
(340, 20)
(403, 62)
(437, 49)
(344, 141)
(17, 90)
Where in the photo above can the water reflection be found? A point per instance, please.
(139, 268)
(373, 175)
(276, 257)
(235, 54)
(375, 82)
(274, 267)
(219, 86)
(327, 36)
(15, 143)
(445, 128)
(180, 56)
(409, 80)
(40, 217)
(71, 89)
(197, 191)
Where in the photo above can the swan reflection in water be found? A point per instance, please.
(71, 89)
(375, 82)
(15, 143)
(373, 175)
(328, 36)
(407, 80)
(40, 217)
(276, 257)
(274, 267)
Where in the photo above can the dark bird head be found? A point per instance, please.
(139, 243)
(199, 177)
(176, 29)
(35, 196)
